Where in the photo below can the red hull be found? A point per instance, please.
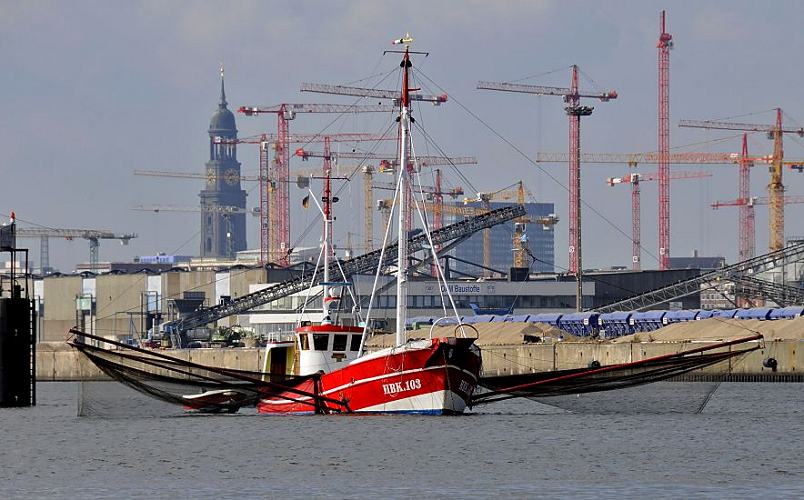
(434, 376)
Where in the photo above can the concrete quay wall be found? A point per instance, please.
(56, 361)
(507, 360)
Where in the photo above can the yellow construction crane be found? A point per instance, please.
(520, 242)
(519, 238)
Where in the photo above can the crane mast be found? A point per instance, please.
(520, 243)
(368, 208)
(664, 45)
(747, 233)
(776, 189)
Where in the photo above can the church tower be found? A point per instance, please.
(223, 226)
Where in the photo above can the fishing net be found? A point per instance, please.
(653, 398)
(658, 398)
(172, 385)
(111, 399)
(581, 389)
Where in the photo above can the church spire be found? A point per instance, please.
(222, 103)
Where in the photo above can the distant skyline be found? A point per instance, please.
(94, 90)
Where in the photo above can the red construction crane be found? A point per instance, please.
(635, 179)
(273, 248)
(572, 96)
(664, 45)
(775, 187)
(279, 196)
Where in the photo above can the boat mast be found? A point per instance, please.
(402, 237)
(325, 297)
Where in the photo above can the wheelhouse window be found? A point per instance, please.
(339, 342)
(304, 342)
(320, 341)
(355, 344)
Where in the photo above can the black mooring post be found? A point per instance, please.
(17, 330)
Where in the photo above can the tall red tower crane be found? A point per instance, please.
(635, 179)
(572, 96)
(272, 247)
(279, 195)
(775, 187)
(664, 45)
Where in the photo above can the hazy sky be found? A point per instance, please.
(95, 90)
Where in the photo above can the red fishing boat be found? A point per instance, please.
(428, 376)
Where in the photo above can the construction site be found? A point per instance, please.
(496, 244)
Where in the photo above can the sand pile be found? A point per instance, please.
(714, 329)
(722, 329)
(488, 334)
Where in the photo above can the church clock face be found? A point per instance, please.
(231, 176)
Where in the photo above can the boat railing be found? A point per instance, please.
(282, 336)
(458, 326)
